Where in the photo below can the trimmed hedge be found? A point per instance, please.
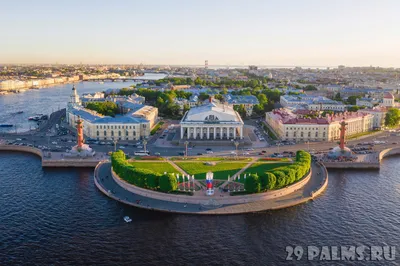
(141, 177)
(284, 175)
(252, 184)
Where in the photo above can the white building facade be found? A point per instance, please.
(135, 124)
(211, 121)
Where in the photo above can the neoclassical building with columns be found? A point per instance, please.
(212, 121)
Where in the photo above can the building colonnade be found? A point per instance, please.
(212, 132)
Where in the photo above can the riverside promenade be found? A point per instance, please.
(57, 159)
(105, 182)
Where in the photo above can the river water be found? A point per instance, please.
(58, 217)
(47, 100)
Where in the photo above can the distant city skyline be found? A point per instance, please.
(236, 33)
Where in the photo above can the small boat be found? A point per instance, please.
(127, 219)
(6, 125)
(19, 112)
(34, 118)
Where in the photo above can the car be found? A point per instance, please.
(199, 153)
(394, 143)
(233, 152)
(102, 143)
(122, 147)
(18, 139)
(264, 151)
(181, 153)
(157, 154)
(139, 146)
(161, 137)
(208, 149)
(54, 143)
(250, 149)
(246, 153)
(210, 152)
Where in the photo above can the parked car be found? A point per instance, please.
(210, 152)
(199, 153)
(208, 149)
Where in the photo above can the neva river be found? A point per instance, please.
(58, 217)
(49, 99)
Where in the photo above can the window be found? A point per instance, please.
(111, 127)
(309, 134)
(105, 133)
(323, 135)
(98, 133)
(301, 134)
(112, 133)
(97, 127)
(294, 134)
(287, 134)
(316, 134)
(119, 133)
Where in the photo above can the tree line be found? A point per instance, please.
(142, 177)
(281, 176)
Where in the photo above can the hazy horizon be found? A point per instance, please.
(287, 33)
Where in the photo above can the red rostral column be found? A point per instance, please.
(79, 130)
(342, 134)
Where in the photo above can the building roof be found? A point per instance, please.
(241, 99)
(388, 95)
(212, 113)
(286, 116)
(96, 118)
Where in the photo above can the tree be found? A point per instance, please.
(310, 88)
(338, 97)
(258, 109)
(353, 99)
(203, 96)
(354, 108)
(392, 117)
(262, 99)
(160, 101)
(224, 91)
(186, 107)
(280, 179)
(219, 97)
(252, 183)
(240, 109)
(268, 181)
(168, 183)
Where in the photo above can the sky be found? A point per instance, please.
(188, 32)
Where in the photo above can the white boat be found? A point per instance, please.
(127, 219)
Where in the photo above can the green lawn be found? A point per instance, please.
(221, 170)
(260, 168)
(210, 159)
(158, 167)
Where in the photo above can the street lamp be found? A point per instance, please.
(186, 148)
(144, 145)
(115, 144)
(237, 145)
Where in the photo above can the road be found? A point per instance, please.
(47, 135)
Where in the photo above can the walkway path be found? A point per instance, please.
(106, 183)
(254, 159)
(183, 172)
